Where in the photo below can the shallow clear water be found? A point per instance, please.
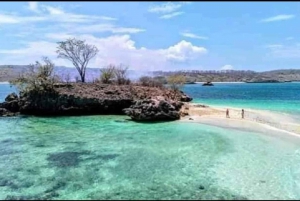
(107, 157)
(283, 97)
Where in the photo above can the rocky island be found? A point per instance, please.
(43, 92)
(139, 102)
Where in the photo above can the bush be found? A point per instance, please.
(176, 81)
(38, 77)
(150, 82)
(121, 75)
(115, 74)
(107, 74)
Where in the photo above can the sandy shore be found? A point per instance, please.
(255, 120)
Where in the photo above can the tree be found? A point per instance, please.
(37, 77)
(121, 74)
(107, 74)
(78, 52)
(176, 81)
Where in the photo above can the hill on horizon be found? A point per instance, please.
(8, 72)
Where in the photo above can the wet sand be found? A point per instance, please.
(267, 122)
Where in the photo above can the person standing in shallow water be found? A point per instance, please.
(243, 113)
(227, 113)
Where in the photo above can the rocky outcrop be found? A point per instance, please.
(207, 84)
(91, 98)
(154, 110)
(11, 105)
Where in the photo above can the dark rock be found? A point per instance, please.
(11, 97)
(154, 110)
(207, 84)
(191, 119)
(199, 105)
(3, 111)
(201, 187)
(12, 106)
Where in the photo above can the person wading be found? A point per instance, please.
(227, 113)
(243, 113)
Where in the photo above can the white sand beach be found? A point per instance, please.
(266, 122)
(4, 82)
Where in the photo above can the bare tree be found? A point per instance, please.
(67, 78)
(78, 52)
(121, 74)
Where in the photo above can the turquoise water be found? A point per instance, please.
(282, 97)
(109, 157)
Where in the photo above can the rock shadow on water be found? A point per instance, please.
(104, 157)
(73, 158)
(66, 159)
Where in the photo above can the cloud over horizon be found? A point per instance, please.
(278, 18)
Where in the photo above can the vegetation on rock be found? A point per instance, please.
(107, 74)
(176, 81)
(151, 82)
(38, 77)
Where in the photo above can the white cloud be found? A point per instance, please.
(183, 51)
(114, 49)
(54, 10)
(165, 8)
(171, 15)
(50, 14)
(33, 6)
(274, 46)
(278, 18)
(169, 9)
(227, 67)
(284, 51)
(57, 14)
(14, 19)
(97, 28)
(191, 35)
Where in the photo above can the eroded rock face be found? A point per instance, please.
(11, 105)
(154, 110)
(11, 97)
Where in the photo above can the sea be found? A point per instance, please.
(110, 157)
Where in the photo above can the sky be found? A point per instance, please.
(257, 36)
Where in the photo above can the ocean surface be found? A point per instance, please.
(109, 157)
(279, 97)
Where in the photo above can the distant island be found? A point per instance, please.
(284, 75)
(266, 81)
(9, 72)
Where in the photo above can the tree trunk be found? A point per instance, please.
(82, 78)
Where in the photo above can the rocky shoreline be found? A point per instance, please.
(138, 102)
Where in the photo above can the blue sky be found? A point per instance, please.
(157, 35)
